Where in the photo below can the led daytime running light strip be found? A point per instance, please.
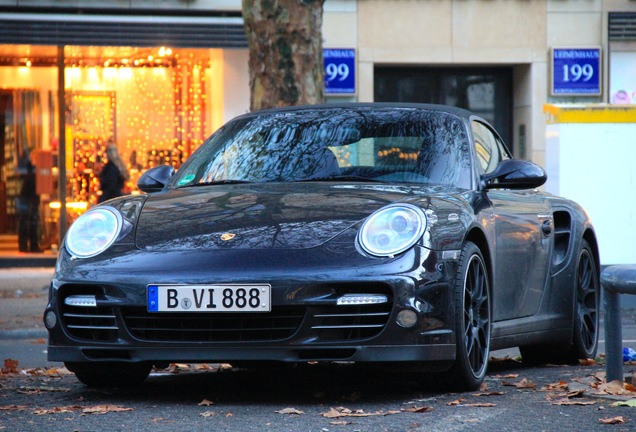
(361, 299)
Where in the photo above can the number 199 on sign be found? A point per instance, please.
(337, 71)
(577, 72)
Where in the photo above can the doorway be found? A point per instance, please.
(486, 91)
(8, 174)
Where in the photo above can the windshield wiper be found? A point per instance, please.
(217, 182)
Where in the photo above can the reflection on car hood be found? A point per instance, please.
(262, 216)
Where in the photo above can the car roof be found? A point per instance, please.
(363, 106)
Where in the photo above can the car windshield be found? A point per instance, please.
(403, 145)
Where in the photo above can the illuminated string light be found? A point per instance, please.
(157, 118)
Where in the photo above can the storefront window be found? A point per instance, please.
(149, 103)
(155, 105)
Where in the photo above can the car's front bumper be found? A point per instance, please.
(305, 323)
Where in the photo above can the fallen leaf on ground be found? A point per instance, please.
(566, 401)
(566, 395)
(629, 403)
(290, 411)
(509, 376)
(205, 402)
(45, 371)
(176, 368)
(561, 385)
(13, 408)
(10, 366)
(599, 376)
(502, 360)
(587, 362)
(57, 410)
(490, 393)
(615, 387)
(346, 412)
(461, 402)
(339, 423)
(41, 389)
(613, 420)
(205, 366)
(208, 414)
(575, 394)
(525, 383)
(418, 409)
(103, 409)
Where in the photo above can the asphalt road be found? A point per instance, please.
(341, 397)
(37, 395)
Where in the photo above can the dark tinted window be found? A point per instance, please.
(489, 149)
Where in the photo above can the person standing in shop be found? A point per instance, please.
(113, 175)
(28, 208)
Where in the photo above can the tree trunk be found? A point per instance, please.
(285, 43)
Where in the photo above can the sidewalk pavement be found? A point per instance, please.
(24, 285)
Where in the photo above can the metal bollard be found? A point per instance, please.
(616, 280)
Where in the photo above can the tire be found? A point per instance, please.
(110, 374)
(472, 321)
(585, 319)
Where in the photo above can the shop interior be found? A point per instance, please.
(155, 104)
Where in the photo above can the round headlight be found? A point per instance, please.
(392, 229)
(93, 232)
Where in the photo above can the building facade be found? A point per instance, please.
(155, 78)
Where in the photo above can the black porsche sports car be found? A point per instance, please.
(355, 232)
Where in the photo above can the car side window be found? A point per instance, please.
(489, 150)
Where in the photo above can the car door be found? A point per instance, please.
(522, 227)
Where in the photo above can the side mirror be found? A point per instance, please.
(155, 179)
(515, 174)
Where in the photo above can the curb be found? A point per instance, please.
(36, 333)
(27, 261)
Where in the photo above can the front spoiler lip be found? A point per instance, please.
(354, 353)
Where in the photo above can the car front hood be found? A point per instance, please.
(261, 216)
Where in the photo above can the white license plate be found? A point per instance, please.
(209, 298)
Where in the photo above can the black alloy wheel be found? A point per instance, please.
(586, 308)
(472, 320)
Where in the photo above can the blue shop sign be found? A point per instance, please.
(576, 71)
(340, 71)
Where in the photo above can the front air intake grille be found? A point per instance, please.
(345, 323)
(281, 323)
(90, 323)
(87, 322)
